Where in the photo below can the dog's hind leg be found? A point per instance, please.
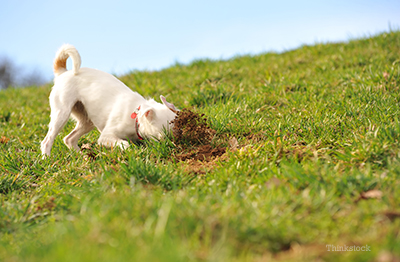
(83, 126)
(58, 120)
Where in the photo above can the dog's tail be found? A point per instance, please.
(60, 61)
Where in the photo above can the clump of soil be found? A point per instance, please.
(193, 136)
(192, 128)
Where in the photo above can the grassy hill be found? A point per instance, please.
(312, 165)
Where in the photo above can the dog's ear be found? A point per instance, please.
(149, 114)
(168, 104)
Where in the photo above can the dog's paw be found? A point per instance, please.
(45, 156)
(123, 144)
(45, 150)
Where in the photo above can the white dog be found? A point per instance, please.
(98, 99)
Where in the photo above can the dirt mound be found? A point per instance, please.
(193, 136)
(191, 128)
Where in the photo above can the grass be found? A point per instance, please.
(317, 127)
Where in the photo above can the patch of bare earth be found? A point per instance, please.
(202, 153)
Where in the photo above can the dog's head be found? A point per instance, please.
(155, 118)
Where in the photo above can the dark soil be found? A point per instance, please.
(193, 136)
(191, 128)
(202, 153)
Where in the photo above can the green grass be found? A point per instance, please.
(317, 127)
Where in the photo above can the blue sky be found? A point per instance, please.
(120, 36)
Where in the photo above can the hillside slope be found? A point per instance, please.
(312, 166)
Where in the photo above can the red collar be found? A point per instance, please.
(135, 116)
